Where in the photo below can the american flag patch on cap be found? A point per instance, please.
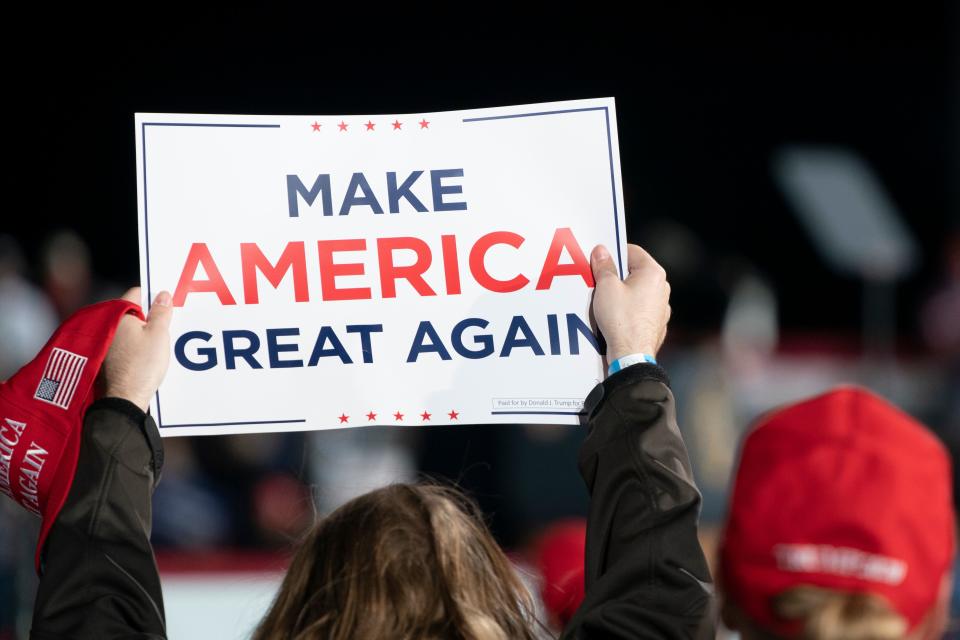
(60, 378)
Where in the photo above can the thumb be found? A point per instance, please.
(602, 263)
(160, 312)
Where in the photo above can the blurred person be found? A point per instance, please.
(557, 554)
(750, 329)
(188, 511)
(282, 506)
(240, 472)
(27, 319)
(841, 525)
(385, 455)
(940, 324)
(68, 276)
(940, 318)
(405, 561)
(67, 273)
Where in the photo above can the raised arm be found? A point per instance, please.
(98, 574)
(646, 575)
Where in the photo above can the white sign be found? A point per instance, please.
(401, 269)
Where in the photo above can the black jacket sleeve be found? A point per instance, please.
(99, 577)
(646, 575)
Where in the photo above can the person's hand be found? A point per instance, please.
(140, 352)
(631, 314)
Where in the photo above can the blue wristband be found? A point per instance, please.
(634, 358)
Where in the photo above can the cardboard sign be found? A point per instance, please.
(402, 269)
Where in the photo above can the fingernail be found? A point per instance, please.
(601, 253)
(162, 299)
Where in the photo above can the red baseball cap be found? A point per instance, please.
(841, 491)
(559, 554)
(42, 408)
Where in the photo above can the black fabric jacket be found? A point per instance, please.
(98, 576)
(646, 576)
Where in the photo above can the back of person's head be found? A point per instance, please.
(841, 524)
(411, 562)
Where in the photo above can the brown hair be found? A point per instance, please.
(830, 614)
(405, 562)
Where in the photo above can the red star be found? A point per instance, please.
(425, 415)
(316, 125)
(369, 126)
(343, 125)
(453, 415)
(344, 418)
(424, 124)
(398, 415)
(371, 416)
(397, 124)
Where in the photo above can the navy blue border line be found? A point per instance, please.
(536, 413)
(230, 424)
(146, 241)
(204, 124)
(613, 181)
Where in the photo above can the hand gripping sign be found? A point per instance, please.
(402, 269)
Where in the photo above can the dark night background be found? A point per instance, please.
(703, 98)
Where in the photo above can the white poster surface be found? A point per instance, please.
(401, 269)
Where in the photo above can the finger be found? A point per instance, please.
(132, 295)
(602, 263)
(638, 260)
(161, 311)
